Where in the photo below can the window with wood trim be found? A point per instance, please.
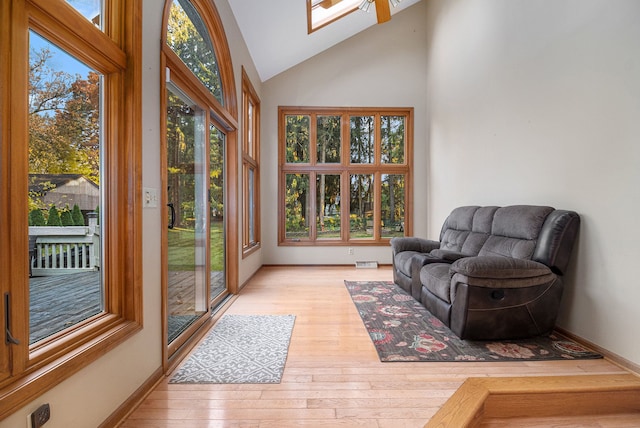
(250, 167)
(70, 163)
(344, 175)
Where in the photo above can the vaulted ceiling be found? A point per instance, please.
(275, 31)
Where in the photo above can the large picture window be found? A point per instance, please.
(69, 183)
(344, 175)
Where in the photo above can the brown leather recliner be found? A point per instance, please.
(495, 273)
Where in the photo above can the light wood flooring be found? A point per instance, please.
(333, 377)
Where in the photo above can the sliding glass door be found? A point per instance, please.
(199, 252)
(187, 209)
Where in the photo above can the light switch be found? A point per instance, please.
(149, 197)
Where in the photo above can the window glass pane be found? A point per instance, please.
(216, 202)
(187, 35)
(297, 206)
(90, 9)
(362, 139)
(251, 206)
(297, 139)
(187, 197)
(392, 210)
(64, 190)
(328, 206)
(392, 139)
(250, 128)
(361, 206)
(328, 139)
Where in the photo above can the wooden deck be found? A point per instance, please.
(58, 302)
(61, 301)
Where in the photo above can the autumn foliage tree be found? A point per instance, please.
(63, 120)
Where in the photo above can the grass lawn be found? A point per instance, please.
(182, 244)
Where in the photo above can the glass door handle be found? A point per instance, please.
(172, 210)
(9, 339)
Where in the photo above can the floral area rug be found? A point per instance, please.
(240, 349)
(403, 330)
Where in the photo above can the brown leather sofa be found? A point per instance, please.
(495, 273)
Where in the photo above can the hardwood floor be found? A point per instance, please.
(333, 377)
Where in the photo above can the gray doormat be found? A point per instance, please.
(240, 349)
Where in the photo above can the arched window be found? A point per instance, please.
(188, 37)
(199, 169)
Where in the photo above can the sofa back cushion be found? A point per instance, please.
(528, 232)
(515, 230)
(466, 229)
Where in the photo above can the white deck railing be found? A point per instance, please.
(64, 250)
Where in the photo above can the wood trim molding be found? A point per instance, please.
(614, 358)
(133, 401)
(483, 398)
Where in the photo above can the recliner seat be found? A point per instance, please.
(495, 273)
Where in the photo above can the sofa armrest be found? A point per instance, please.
(500, 272)
(448, 256)
(419, 245)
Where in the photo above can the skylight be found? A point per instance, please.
(323, 12)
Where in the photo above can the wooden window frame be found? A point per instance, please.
(314, 23)
(115, 51)
(344, 168)
(250, 160)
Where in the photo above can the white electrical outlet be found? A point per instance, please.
(350, 251)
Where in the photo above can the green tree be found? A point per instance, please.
(188, 37)
(78, 125)
(65, 218)
(36, 218)
(297, 137)
(54, 217)
(63, 119)
(216, 172)
(76, 214)
(362, 132)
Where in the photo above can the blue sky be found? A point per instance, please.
(88, 8)
(60, 60)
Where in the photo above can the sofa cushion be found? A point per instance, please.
(508, 247)
(483, 219)
(514, 231)
(461, 218)
(519, 221)
(437, 279)
(474, 242)
(453, 240)
(466, 229)
(499, 267)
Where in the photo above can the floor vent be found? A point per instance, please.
(366, 265)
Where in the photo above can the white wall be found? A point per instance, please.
(90, 396)
(240, 57)
(539, 102)
(384, 66)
